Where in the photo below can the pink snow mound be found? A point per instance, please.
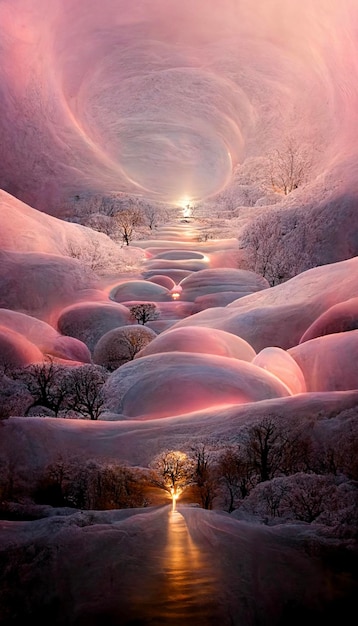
(221, 279)
(200, 340)
(229, 256)
(121, 344)
(174, 274)
(179, 255)
(159, 326)
(328, 363)
(45, 337)
(173, 310)
(164, 281)
(190, 265)
(140, 290)
(339, 318)
(71, 349)
(221, 298)
(38, 442)
(16, 350)
(281, 364)
(173, 383)
(40, 284)
(280, 315)
(211, 247)
(88, 321)
(25, 229)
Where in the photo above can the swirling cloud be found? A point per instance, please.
(163, 99)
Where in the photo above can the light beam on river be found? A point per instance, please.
(183, 585)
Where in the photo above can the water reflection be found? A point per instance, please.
(182, 592)
(189, 581)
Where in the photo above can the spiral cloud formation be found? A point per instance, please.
(163, 99)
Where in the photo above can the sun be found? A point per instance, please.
(185, 204)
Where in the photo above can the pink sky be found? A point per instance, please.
(163, 98)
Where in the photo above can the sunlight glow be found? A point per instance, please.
(184, 202)
(175, 292)
(187, 209)
(175, 493)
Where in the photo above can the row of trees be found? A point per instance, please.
(58, 388)
(277, 470)
(267, 450)
(122, 218)
(61, 389)
(91, 485)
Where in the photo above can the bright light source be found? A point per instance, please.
(175, 495)
(185, 204)
(175, 295)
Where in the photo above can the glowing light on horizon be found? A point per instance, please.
(175, 493)
(187, 209)
(176, 291)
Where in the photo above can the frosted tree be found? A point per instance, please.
(289, 167)
(121, 345)
(172, 471)
(274, 250)
(143, 313)
(126, 221)
(153, 215)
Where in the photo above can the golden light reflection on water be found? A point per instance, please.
(189, 591)
(183, 589)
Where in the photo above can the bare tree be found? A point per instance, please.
(84, 390)
(153, 215)
(173, 471)
(62, 388)
(205, 476)
(337, 454)
(102, 223)
(145, 312)
(90, 484)
(127, 220)
(235, 473)
(120, 486)
(52, 487)
(47, 384)
(275, 449)
(289, 167)
(89, 254)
